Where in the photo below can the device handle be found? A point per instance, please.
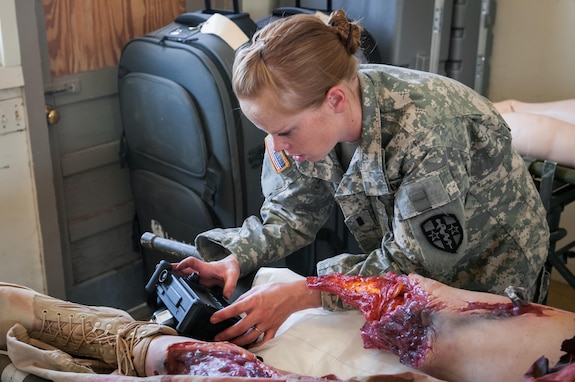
(173, 247)
(162, 271)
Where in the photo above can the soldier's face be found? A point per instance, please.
(307, 135)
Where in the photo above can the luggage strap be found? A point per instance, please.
(211, 181)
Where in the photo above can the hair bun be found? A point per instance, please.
(349, 32)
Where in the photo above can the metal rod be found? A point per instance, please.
(173, 247)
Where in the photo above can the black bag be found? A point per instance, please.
(194, 160)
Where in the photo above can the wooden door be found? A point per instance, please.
(84, 39)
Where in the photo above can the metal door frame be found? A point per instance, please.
(33, 48)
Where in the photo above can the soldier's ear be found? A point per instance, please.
(336, 98)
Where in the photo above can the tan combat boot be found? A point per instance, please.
(102, 333)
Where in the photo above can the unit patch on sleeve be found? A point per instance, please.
(279, 159)
(444, 232)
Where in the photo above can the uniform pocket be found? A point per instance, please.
(365, 229)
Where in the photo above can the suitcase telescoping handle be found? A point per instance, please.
(328, 3)
(195, 19)
(236, 3)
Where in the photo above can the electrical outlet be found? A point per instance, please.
(11, 115)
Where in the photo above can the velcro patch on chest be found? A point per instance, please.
(278, 159)
(444, 232)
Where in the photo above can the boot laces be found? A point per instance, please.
(126, 341)
(65, 329)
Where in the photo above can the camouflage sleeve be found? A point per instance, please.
(294, 209)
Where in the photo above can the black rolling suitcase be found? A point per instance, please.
(194, 160)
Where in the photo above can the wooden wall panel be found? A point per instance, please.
(86, 35)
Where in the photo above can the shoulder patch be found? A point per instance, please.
(278, 159)
(444, 232)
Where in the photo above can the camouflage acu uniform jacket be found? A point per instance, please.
(434, 188)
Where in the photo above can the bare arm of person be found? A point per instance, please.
(542, 137)
(450, 333)
(542, 130)
(563, 110)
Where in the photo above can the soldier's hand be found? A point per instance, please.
(223, 273)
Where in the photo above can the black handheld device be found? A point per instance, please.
(185, 304)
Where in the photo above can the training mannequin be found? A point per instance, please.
(542, 130)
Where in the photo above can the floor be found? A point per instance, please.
(561, 296)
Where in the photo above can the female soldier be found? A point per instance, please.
(421, 167)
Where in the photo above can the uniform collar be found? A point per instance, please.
(328, 168)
